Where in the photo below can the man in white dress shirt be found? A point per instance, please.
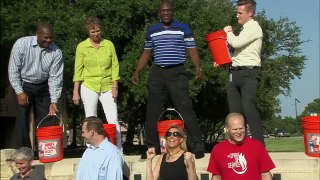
(245, 69)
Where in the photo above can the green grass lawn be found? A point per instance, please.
(288, 144)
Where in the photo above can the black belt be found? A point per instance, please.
(36, 84)
(238, 68)
(169, 66)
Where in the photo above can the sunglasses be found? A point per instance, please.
(174, 134)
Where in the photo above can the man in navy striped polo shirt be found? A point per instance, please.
(36, 74)
(168, 40)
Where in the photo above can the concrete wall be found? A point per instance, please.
(289, 166)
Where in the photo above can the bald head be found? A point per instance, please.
(232, 116)
(44, 35)
(235, 125)
(167, 2)
(44, 27)
(166, 13)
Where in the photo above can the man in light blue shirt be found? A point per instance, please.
(101, 160)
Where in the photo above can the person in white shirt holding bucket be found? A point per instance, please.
(245, 70)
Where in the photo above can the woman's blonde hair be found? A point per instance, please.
(183, 144)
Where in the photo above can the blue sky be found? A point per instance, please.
(306, 15)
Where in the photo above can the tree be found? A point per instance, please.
(312, 108)
(287, 123)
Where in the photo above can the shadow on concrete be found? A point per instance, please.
(75, 152)
(128, 149)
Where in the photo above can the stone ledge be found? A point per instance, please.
(290, 175)
(290, 166)
(6, 154)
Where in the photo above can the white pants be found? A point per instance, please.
(109, 104)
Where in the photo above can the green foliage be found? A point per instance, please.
(281, 62)
(312, 108)
(288, 123)
(125, 24)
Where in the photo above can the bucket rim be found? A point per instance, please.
(308, 119)
(172, 120)
(109, 125)
(215, 37)
(49, 127)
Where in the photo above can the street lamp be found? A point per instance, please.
(295, 105)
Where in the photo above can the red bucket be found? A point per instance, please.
(219, 47)
(50, 142)
(311, 133)
(110, 131)
(163, 126)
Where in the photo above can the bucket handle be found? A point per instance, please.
(170, 109)
(61, 123)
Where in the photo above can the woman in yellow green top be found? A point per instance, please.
(96, 73)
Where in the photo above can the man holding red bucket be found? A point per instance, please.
(36, 74)
(245, 70)
(168, 40)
